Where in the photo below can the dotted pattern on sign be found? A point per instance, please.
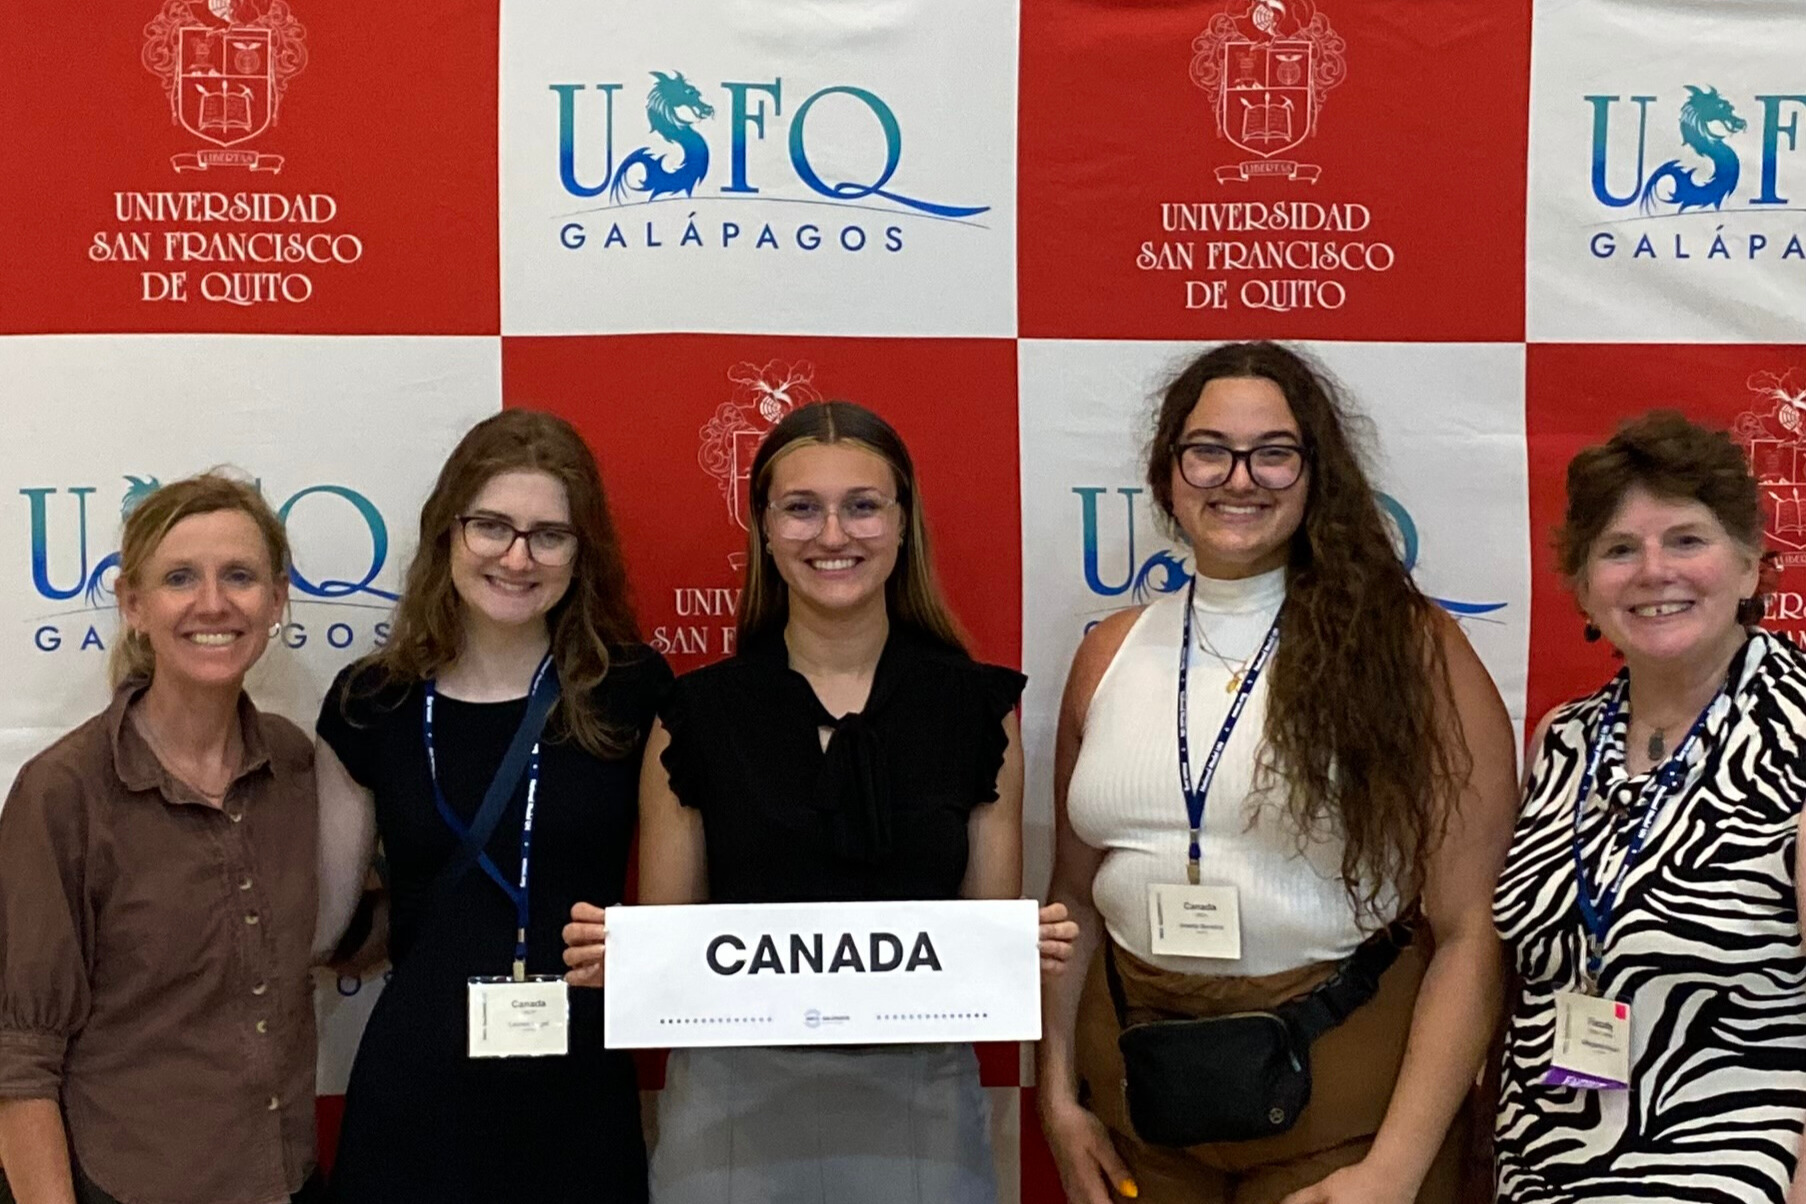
(717, 1020)
(934, 1016)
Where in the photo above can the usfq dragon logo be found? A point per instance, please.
(1773, 436)
(225, 66)
(731, 438)
(672, 108)
(1267, 66)
(1707, 119)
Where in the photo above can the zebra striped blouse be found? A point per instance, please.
(1705, 947)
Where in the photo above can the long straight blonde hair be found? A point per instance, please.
(912, 595)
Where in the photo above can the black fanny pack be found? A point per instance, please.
(1244, 1075)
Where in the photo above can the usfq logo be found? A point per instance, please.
(1723, 151)
(1268, 66)
(1134, 578)
(225, 66)
(65, 571)
(692, 152)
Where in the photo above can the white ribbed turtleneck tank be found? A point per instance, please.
(1125, 798)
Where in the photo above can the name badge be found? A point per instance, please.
(1195, 921)
(509, 1019)
(1592, 1043)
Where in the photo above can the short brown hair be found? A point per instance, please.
(1668, 456)
(595, 615)
(153, 519)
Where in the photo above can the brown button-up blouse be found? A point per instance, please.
(154, 961)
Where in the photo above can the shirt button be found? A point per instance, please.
(275, 1103)
(250, 917)
(263, 1026)
(260, 988)
(244, 883)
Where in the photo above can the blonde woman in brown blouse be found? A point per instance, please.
(157, 895)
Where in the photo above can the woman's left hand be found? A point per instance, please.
(1057, 935)
(1357, 1184)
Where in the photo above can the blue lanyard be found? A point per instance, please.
(1596, 913)
(517, 893)
(1194, 799)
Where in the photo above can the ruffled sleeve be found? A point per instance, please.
(45, 928)
(998, 692)
(678, 711)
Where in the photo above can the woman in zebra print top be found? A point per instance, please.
(1700, 937)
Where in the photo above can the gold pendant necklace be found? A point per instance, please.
(1236, 672)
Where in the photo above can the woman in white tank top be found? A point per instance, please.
(1368, 774)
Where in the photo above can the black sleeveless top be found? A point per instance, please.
(880, 814)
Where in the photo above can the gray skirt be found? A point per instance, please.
(893, 1124)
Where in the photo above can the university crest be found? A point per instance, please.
(1268, 66)
(225, 66)
(762, 395)
(1773, 436)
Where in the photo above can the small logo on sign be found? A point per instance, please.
(225, 66)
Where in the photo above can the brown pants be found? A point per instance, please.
(1353, 1069)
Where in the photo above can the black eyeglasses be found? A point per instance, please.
(1270, 465)
(493, 538)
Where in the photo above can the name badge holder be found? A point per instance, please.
(1593, 1031)
(1197, 919)
(518, 1015)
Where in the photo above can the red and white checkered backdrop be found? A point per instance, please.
(317, 240)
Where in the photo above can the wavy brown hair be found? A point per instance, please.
(912, 595)
(1669, 456)
(1361, 726)
(594, 617)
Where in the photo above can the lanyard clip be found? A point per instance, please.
(1591, 965)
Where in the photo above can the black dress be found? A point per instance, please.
(882, 813)
(423, 1121)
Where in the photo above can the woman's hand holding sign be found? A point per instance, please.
(586, 941)
(1057, 935)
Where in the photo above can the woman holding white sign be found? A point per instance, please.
(493, 743)
(850, 750)
(1261, 786)
(1653, 893)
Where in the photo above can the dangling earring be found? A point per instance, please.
(1751, 611)
(1590, 633)
(275, 630)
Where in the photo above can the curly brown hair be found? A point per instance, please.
(1667, 455)
(1361, 726)
(594, 616)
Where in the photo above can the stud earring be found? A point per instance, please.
(275, 630)
(1590, 633)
